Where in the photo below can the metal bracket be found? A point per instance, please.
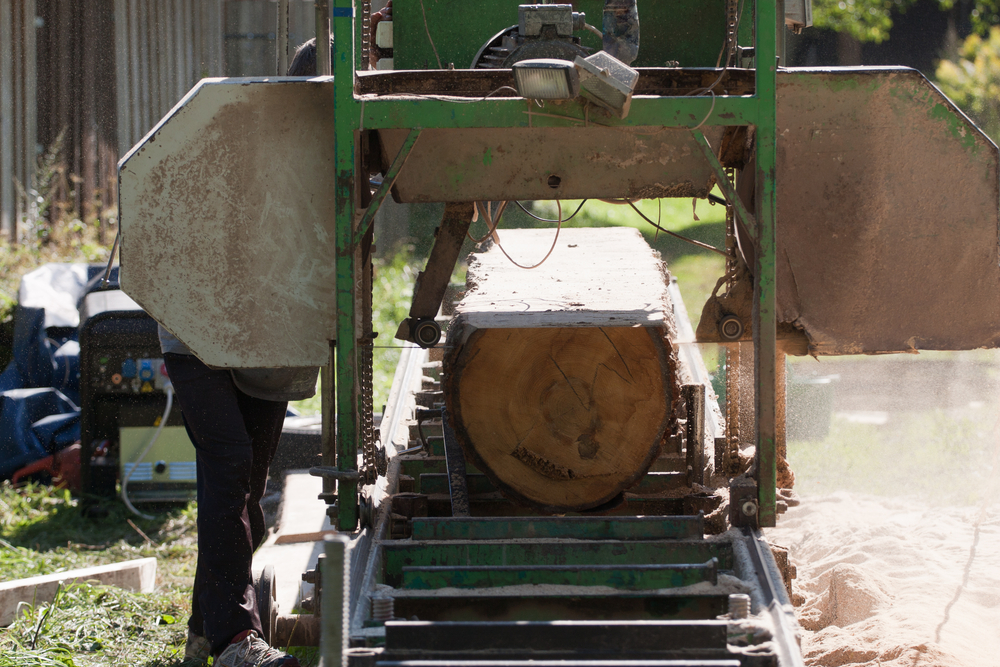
(727, 188)
(390, 179)
(432, 282)
(329, 472)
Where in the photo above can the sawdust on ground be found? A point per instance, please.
(890, 582)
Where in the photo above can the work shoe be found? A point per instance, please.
(197, 647)
(249, 650)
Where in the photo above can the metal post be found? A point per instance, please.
(281, 43)
(336, 593)
(323, 38)
(765, 313)
(348, 329)
(328, 406)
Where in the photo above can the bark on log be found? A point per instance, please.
(561, 381)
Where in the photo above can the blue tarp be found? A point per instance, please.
(40, 388)
(34, 423)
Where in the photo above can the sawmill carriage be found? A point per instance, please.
(552, 478)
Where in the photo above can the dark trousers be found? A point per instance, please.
(235, 437)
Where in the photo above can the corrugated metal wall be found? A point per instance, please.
(251, 27)
(162, 48)
(76, 103)
(92, 77)
(17, 110)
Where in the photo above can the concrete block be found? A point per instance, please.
(133, 575)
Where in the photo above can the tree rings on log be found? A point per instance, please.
(565, 403)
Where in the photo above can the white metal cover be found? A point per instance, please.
(227, 220)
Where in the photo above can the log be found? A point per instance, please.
(561, 381)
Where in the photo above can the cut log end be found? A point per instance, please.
(562, 419)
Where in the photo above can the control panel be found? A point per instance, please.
(126, 372)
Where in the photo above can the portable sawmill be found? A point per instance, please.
(552, 479)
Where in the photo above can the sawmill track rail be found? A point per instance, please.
(641, 585)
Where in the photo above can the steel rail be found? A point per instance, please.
(779, 606)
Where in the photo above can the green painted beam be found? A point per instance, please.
(436, 482)
(654, 483)
(724, 183)
(579, 528)
(346, 113)
(626, 605)
(400, 554)
(625, 577)
(650, 484)
(765, 288)
(417, 466)
(387, 182)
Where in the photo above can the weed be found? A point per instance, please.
(88, 624)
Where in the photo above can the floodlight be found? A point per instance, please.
(546, 79)
(607, 82)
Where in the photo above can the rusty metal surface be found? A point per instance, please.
(520, 163)
(887, 215)
(227, 218)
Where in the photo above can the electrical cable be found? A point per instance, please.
(169, 388)
(428, 31)
(701, 91)
(491, 222)
(540, 219)
(554, 242)
(456, 99)
(676, 235)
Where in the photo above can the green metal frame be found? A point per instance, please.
(351, 114)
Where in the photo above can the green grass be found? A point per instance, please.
(897, 425)
(47, 531)
(98, 625)
(940, 456)
(392, 290)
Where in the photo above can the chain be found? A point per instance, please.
(366, 37)
(732, 358)
(732, 26)
(365, 353)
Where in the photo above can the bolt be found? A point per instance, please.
(749, 508)
(383, 608)
(739, 606)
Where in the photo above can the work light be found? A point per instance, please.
(546, 79)
(607, 82)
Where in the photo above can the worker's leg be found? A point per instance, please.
(209, 401)
(263, 421)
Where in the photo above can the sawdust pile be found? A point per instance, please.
(889, 582)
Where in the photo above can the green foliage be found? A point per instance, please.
(984, 14)
(871, 20)
(973, 80)
(865, 20)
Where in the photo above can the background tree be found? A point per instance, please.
(972, 81)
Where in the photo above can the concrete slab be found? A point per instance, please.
(133, 575)
(297, 543)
